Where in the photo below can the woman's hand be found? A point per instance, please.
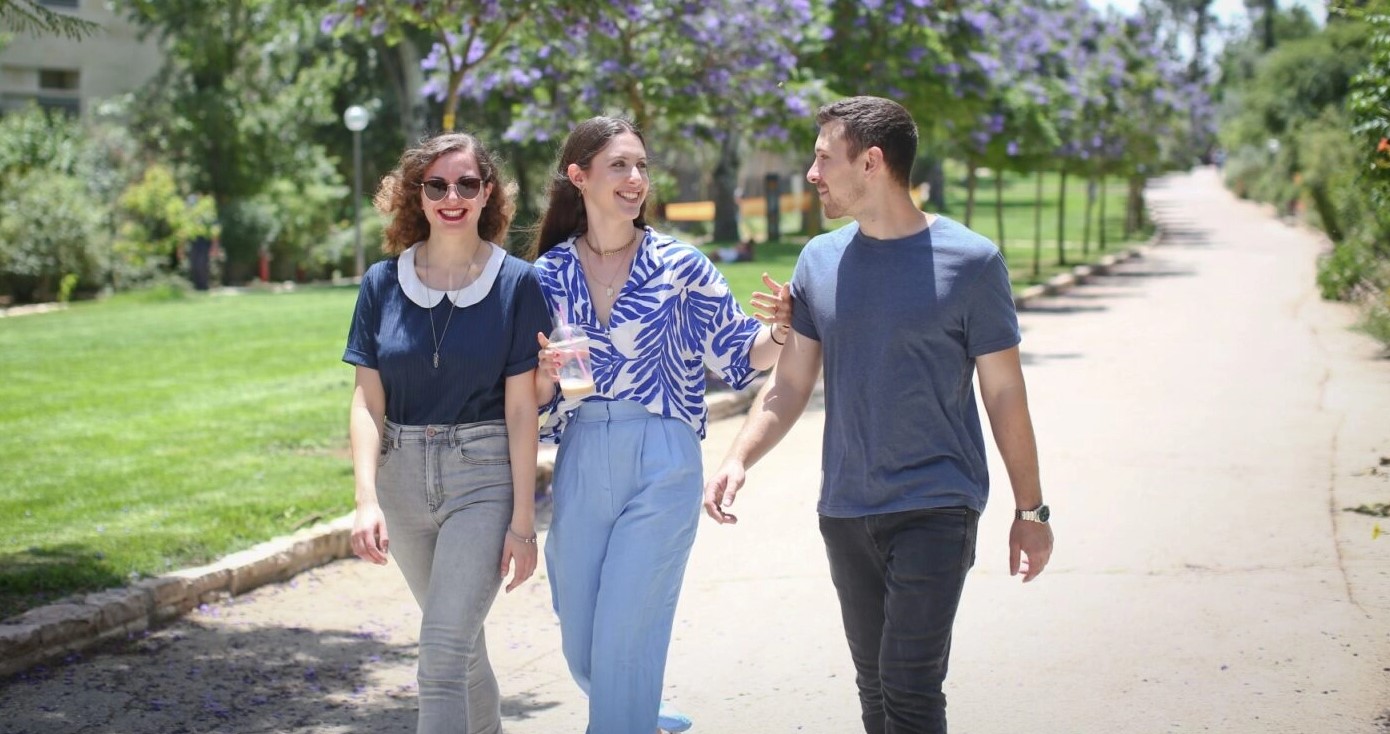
(518, 551)
(775, 308)
(549, 367)
(369, 541)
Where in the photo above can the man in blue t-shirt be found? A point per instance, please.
(902, 309)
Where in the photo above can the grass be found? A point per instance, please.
(145, 436)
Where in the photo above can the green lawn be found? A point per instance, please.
(141, 437)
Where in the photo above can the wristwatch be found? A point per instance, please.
(1037, 514)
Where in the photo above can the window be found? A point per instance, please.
(58, 79)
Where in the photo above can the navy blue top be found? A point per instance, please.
(901, 323)
(484, 344)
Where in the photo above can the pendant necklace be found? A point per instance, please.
(430, 310)
(597, 250)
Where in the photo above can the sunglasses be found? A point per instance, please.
(467, 187)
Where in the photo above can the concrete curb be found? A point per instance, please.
(1081, 274)
(82, 621)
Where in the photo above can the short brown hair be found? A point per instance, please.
(399, 193)
(870, 122)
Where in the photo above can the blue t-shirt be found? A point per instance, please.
(900, 323)
(490, 336)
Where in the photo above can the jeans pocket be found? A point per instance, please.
(486, 449)
(384, 454)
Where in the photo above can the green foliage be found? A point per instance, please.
(34, 139)
(66, 287)
(155, 219)
(50, 227)
(1375, 318)
(1369, 104)
(1345, 269)
(246, 86)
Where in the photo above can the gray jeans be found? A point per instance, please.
(446, 492)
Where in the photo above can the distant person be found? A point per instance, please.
(443, 419)
(627, 484)
(200, 261)
(902, 309)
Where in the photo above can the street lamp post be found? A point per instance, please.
(356, 118)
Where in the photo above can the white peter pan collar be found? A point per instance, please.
(426, 297)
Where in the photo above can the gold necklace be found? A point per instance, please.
(597, 249)
(608, 285)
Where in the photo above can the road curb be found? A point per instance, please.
(1081, 274)
(82, 621)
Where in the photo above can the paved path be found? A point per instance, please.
(1202, 417)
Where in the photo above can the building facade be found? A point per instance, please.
(60, 73)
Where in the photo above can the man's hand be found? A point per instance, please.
(720, 491)
(1030, 547)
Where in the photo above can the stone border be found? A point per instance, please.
(81, 621)
(1081, 274)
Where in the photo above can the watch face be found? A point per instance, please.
(1044, 513)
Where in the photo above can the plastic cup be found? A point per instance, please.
(576, 373)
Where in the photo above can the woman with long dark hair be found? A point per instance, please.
(628, 477)
(443, 419)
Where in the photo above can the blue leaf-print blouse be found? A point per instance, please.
(673, 317)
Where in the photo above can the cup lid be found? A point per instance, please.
(568, 332)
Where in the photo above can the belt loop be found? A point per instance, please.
(454, 432)
(394, 431)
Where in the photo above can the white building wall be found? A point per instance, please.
(63, 73)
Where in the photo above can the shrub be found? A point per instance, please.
(50, 227)
(1375, 317)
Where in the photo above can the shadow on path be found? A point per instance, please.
(205, 677)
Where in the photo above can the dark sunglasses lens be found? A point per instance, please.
(435, 189)
(468, 188)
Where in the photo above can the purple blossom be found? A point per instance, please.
(330, 22)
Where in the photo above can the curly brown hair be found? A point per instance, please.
(399, 194)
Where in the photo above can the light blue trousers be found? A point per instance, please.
(627, 492)
(446, 492)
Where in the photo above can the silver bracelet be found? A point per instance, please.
(529, 541)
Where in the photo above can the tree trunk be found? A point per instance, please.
(1090, 210)
(810, 216)
(1102, 212)
(724, 183)
(971, 181)
(1134, 214)
(1062, 220)
(413, 112)
(936, 182)
(1267, 36)
(999, 206)
(1037, 226)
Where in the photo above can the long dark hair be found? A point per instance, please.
(564, 209)
(399, 193)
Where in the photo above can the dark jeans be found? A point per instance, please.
(899, 577)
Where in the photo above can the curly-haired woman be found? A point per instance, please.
(443, 419)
